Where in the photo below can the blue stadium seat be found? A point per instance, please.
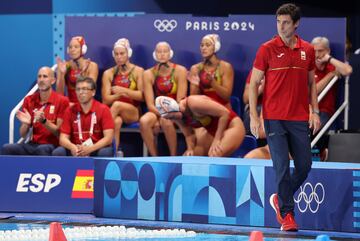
(235, 105)
(127, 128)
(134, 128)
(248, 144)
(131, 125)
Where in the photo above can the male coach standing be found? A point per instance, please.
(288, 63)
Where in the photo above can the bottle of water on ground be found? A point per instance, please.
(119, 153)
(315, 153)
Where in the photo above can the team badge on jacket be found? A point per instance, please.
(302, 55)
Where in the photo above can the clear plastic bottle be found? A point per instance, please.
(119, 153)
(315, 155)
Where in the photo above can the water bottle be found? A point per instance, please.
(119, 153)
(315, 153)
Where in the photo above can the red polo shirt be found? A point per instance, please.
(53, 109)
(286, 93)
(103, 121)
(327, 104)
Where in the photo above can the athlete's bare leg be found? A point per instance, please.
(170, 135)
(147, 124)
(232, 138)
(259, 153)
(203, 142)
(123, 112)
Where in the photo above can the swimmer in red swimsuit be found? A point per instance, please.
(164, 79)
(223, 129)
(212, 77)
(69, 71)
(122, 87)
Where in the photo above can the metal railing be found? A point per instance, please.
(343, 107)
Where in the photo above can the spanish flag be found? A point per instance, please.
(83, 184)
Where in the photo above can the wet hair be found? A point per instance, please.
(87, 80)
(289, 9)
(321, 40)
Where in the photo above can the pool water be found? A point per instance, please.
(197, 237)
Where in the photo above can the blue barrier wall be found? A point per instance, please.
(46, 184)
(223, 191)
(185, 189)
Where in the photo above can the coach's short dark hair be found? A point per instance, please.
(289, 9)
(87, 80)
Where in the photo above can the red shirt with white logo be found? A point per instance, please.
(286, 93)
(102, 120)
(53, 109)
(327, 103)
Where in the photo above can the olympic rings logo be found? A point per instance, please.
(310, 197)
(165, 25)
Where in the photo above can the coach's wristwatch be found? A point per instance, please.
(316, 112)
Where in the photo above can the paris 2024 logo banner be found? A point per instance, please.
(240, 36)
